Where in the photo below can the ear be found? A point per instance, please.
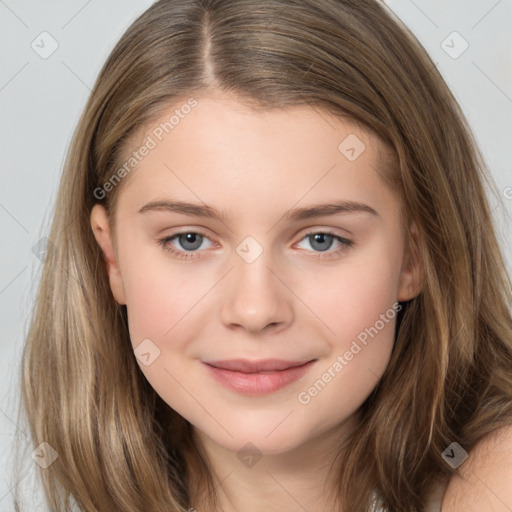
(101, 229)
(411, 274)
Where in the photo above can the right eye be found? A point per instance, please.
(191, 241)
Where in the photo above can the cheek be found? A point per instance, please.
(153, 305)
(159, 293)
(353, 297)
(162, 304)
(363, 318)
(362, 312)
(357, 301)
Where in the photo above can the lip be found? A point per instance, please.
(257, 377)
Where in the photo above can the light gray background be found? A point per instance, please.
(42, 98)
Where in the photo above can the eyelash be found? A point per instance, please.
(183, 255)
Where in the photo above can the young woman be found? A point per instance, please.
(276, 283)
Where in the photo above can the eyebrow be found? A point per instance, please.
(318, 210)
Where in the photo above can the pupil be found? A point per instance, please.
(191, 238)
(320, 238)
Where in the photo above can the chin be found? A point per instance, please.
(256, 437)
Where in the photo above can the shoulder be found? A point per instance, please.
(483, 481)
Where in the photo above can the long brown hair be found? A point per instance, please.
(119, 446)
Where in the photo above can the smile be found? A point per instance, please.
(257, 378)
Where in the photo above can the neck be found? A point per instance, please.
(297, 480)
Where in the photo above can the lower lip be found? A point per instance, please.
(258, 383)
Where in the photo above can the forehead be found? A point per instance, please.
(213, 117)
(255, 154)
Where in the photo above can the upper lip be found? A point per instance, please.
(262, 365)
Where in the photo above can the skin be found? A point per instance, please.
(289, 303)
(482, 482)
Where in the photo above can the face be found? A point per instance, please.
(276, 276)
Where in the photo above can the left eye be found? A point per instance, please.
(322, 241)
(191, 241)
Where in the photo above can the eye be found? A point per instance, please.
(322, 241)
(189, 240)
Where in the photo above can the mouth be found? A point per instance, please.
(248, 366)
(257, 377)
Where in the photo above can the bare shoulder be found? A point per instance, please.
(483, 482)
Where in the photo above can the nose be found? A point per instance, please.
(257, 297)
